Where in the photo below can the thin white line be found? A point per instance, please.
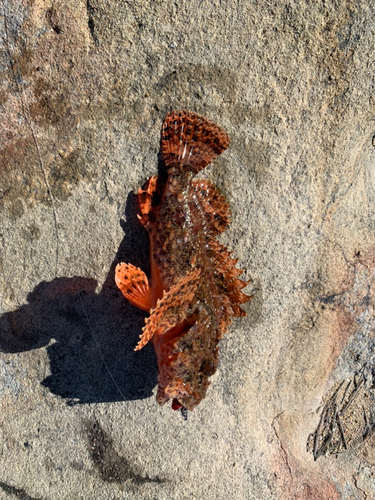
(28, 118)
(179, 149)
(99, 350)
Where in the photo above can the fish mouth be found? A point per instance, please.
(176, 405)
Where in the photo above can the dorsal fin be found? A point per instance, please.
(221, 258)
(226, 277)
(191, 140)
(211, 204)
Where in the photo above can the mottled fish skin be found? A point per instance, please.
(195, 288)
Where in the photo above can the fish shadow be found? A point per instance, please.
(92, 358)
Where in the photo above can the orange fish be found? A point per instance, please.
(194, 288)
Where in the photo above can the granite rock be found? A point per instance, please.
(84, 89)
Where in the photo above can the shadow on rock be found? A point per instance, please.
(92, 359)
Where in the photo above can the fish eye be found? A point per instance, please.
(208, 368)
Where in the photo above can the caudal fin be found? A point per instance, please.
(191, 140)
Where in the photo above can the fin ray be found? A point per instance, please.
(191, 140)
(171, 308)
(145, 198)
(134, 286)
(227, 280)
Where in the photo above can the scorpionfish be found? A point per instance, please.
(194, 290)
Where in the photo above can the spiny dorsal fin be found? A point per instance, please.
(226, 278)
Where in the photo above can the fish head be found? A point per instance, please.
(186, 362)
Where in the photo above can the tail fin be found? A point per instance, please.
(191, 140)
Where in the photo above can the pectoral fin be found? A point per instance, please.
(171, 309)
(145, 197)
(134, 286)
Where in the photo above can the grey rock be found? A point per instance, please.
(84, 89)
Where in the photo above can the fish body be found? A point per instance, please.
(194, 288)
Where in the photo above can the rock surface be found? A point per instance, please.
(84, 89)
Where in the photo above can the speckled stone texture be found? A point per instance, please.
(84, 89)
